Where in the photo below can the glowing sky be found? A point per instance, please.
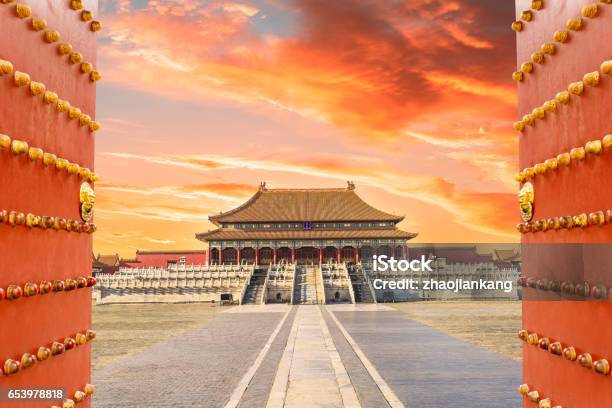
(202, 100)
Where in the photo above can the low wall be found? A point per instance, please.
(273, 292)
(108, 296)
(399, 295)
(344, 294)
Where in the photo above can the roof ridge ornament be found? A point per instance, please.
(350, 185)
(262, 186)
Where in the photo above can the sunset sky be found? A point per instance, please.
(200, 101)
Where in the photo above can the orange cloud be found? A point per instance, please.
(503, 93)
(374, 78)
(466, 206)
(230, 192)
(466, 39)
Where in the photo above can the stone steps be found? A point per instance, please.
(305, 290)
(361, 289)
(253, 293)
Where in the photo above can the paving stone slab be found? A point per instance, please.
(256, 394)
(312, 379)
(367, 391)
(200, 368)
(427, 368)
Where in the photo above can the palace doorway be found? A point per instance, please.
(266, 255)
(247, 255)
(306, 255)
(229, 256)
(283, 254)
(330, 254)
(348, 254)
(214, 256)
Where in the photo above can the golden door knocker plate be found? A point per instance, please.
(88, 200)
(526, 200)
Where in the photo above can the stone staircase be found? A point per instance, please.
(254, 292)
(305, 289)
(361, 288)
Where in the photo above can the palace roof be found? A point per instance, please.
(508, 255)
(109, 260)
(171, 252)
(238, 234)
(163, 258)
(298, 205)
(453, 254)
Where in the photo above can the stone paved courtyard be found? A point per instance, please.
(310, 356)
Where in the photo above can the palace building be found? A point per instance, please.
(304, 226)
(297, 246)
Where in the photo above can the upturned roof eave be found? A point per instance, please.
(205, 236)
(226, 217)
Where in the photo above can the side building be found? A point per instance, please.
(166, 259)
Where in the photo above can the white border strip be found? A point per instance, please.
(345, 386)
(387, 392)
(246, 379)
(278, 391)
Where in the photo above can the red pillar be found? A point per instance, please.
(208, 256)
(356, 255)
(338, 250)
(256, 256)
(238, 256)
(274, 255)
(292, 255)
(320, 255)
